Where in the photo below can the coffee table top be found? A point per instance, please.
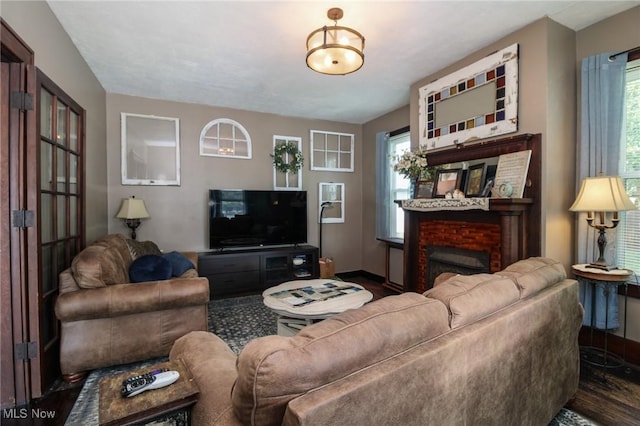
(315, 299)
(116, 410)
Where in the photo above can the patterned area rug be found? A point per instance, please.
(237, 321)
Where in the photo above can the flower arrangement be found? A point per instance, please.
(411, 164)
(294, 154)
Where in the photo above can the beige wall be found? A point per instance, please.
(546, 105)
(58, 58)
(179, 213)
(616, 34)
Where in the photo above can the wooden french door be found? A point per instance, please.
(19, 379)
(60, 189)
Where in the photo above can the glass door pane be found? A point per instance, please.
(73, 132)
(46, 166)
(46, 114)
(61, 124)
(61, 177)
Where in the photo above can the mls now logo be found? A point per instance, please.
(24, 413)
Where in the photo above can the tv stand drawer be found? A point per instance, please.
(228, 263)
(233, 282)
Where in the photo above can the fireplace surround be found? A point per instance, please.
(509, 230)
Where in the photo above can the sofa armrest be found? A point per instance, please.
(213, 366)
(123, 299)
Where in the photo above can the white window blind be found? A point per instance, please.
(628, 233)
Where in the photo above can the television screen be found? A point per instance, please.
(239, 218)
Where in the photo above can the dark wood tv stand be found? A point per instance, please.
(251, 270)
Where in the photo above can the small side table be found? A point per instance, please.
(608, 281)
(174, 400)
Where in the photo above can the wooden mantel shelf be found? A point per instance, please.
(449, 204)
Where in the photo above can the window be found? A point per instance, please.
(224, 137)
(628, 246)
(391, 185)
(331, 151)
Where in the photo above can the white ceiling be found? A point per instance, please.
(251, 55)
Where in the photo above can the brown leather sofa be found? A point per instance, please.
(482, 349)
(106, 320)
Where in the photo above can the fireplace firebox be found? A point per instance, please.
(442, 259)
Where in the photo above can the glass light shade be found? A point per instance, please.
(602, 194)
(133, 208)
(335, 50)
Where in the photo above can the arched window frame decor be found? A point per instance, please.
(223, 144)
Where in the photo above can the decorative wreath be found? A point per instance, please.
(295, 156)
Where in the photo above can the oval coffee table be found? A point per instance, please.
(300, 303)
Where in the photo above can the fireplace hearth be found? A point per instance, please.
(442, 259)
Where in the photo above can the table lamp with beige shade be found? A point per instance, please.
(598, 196)
(131, 211)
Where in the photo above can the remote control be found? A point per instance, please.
(137, 385)
(150, 373)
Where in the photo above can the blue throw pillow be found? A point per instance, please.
(179, 263)
(149, 267)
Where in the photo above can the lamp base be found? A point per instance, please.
(133, 225)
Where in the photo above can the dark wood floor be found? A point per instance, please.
(609, 397)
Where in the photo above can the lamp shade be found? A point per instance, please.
(335, 50)
(602, 194)
(133, 208)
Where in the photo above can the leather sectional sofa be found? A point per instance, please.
(107, 320)
(482, 349)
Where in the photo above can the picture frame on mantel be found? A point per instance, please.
(447, 180)
(424, 189)
(476, 102)
(475, 180)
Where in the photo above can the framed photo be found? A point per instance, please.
(475, 180)
(447, 180)
(424, 189)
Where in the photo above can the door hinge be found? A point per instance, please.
(22, 100)
(22, 218)
(26, 350)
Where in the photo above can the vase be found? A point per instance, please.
(413, 188)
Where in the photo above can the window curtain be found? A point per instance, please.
(382, 186)
(601, 127)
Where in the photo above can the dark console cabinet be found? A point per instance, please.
(254, 270)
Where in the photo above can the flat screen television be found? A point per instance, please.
(245, 218)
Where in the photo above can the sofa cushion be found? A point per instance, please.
(273, 370)
(149, 267)
(179, 263)
(471, 297)
(534, 274)
(102, 263)
(140, 248)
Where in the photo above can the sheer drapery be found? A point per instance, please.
(383, 198)
(602, 121)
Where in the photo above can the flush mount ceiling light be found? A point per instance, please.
(335, 50)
